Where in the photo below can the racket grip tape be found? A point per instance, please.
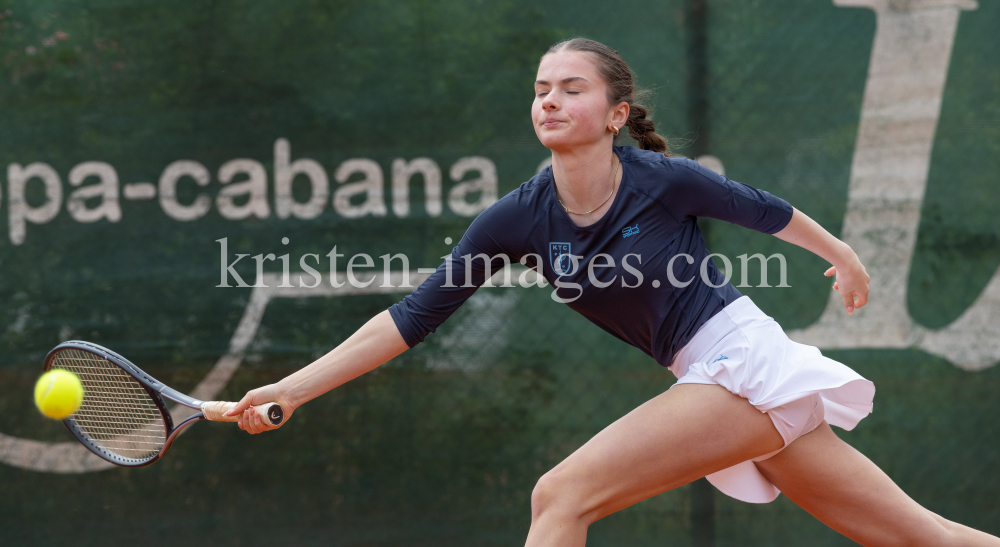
(270, 413)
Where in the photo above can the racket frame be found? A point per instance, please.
(157, 391)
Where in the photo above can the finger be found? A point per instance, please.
(848, 303)
(836, 286)
(248, 421)
(862, 299)
(830, 271)
(255, 421)
(240, 406)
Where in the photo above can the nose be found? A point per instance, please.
(550, 102)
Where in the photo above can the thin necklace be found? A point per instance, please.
(614, 182)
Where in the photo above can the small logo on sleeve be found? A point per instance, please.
(721, 357)
(630, 231)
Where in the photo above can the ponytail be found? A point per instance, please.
(643, 130)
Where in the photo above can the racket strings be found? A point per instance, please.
(117, 412)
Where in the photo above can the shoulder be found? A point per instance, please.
(510, 221)
(657, 177)
(529, 200)
(654, 168)
(673, 180)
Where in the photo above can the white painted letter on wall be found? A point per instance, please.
(485, 184)
(402, 172)
(254, 189)
(20, 212)
(370, 187)
(106, 189)
(285, 172)
(168, 190)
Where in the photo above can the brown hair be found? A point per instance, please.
(621, 88)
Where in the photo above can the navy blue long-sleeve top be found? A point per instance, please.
(614, 271)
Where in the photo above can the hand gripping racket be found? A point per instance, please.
(123, 417)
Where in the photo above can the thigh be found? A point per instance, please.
(846, 491)
(681, 435)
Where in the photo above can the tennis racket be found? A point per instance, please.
(123, 417)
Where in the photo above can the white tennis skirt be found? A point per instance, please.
(746, 352)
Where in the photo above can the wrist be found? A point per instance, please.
(845, 258)
(288, 393)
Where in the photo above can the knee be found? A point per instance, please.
(552, 497)
(544, 495)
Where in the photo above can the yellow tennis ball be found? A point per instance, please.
(58, 393)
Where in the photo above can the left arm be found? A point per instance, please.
(703, 192)
(852, 279)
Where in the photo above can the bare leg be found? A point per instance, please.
(679, 436)
(846, 491)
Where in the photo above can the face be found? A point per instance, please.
(571, 103)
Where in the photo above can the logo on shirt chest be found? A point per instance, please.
(630, 231)
(559, 258)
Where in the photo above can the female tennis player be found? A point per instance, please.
(614, 230)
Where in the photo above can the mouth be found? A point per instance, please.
(550, 123)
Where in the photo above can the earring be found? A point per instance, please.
(615, 129)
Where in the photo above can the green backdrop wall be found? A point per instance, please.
(442, 446)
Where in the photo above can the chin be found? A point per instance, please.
(563, 140)
(555, 141)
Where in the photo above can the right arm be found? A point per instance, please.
(404, 325)
(372, 345)
(376, 342)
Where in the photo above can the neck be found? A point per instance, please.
(583, 174)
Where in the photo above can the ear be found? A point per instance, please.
(619, 115)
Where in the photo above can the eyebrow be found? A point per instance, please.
(565, 80)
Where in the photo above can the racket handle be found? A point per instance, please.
(270, 413)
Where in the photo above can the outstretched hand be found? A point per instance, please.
(852, 283)
(250, 420)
